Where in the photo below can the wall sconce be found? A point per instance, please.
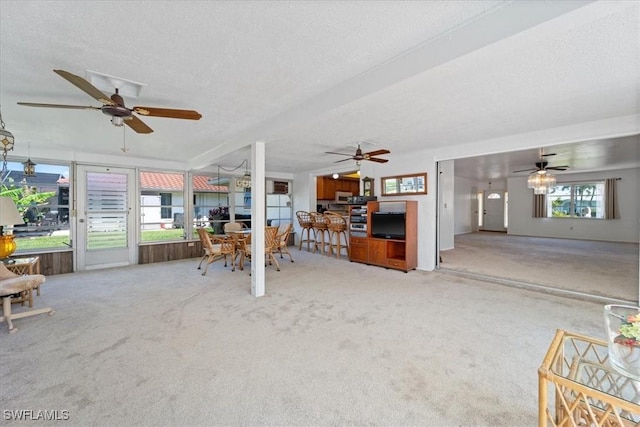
(336, 176)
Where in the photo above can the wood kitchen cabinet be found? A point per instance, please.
(326, 187)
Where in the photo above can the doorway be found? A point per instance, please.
(104, 229)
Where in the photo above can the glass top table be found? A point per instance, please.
(586, 389)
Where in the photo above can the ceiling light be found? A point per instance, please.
(336, 176)
(541, 181)
(29, 168)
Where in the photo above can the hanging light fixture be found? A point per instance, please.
(29, 167)
(7, 137)
(541, 181)
(6, 143)
(245, 181)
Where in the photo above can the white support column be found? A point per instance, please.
(258, 214)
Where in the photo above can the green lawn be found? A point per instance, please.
(57, 242)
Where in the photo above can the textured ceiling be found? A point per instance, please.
(309, 77)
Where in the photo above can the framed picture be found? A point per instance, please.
(367, 186)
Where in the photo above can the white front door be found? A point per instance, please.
(105, 232)
(493, 210)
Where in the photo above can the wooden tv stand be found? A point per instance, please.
(399, 254)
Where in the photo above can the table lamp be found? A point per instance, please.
(9, 215)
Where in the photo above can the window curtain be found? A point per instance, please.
(539, 206)
(611, 209)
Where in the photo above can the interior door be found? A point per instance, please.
(106, 235)
(493, 210)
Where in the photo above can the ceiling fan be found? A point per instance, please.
(543, 166)
(359, 156)
(114, 106)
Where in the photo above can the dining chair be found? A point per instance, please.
(271, 245)
(243, 248)
(215, 248)
(284, 230)
(234, 226)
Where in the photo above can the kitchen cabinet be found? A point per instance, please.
(326, 187)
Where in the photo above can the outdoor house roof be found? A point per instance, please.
(174, 181)
(40, 179)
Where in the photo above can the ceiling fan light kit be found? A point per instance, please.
(541, 182)
(114, 106)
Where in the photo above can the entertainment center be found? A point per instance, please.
(384, 234)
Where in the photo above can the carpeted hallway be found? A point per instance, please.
(602, 269)
(332, 343)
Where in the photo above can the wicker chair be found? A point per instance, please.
(216, 248)
(13, 285)
(306, 223)
(271, 245)
(234, 226)
(337, 226)
(243, 248)
(284, 230)
(320, 230)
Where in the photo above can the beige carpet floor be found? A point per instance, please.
(331, 343)
(606, 269)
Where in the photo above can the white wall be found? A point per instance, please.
(404, 164)
(446, 204)
(626, 229)
(463, 212)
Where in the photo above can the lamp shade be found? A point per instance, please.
(9, 214)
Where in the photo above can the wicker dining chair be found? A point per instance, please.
(215, 248)
(284, 230)
(337, 226)
(271, 245)
(306, 223)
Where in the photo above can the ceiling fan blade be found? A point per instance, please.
(168, 113)
(85, 86)
(343, 160)
(527, 170)
(546, 155)
(137, 125)
(342, 154)
(72, 107)
(374, 159)
(558, 168)
(377, 153)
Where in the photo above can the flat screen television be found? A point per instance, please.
(388, 225)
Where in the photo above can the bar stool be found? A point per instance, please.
(337, 226)
(320, 229)
(306, 223)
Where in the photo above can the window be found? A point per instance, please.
(576, 200)
(404, 184)
(43, 201)
(210, 203)
(161, 206)
(279, 209)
